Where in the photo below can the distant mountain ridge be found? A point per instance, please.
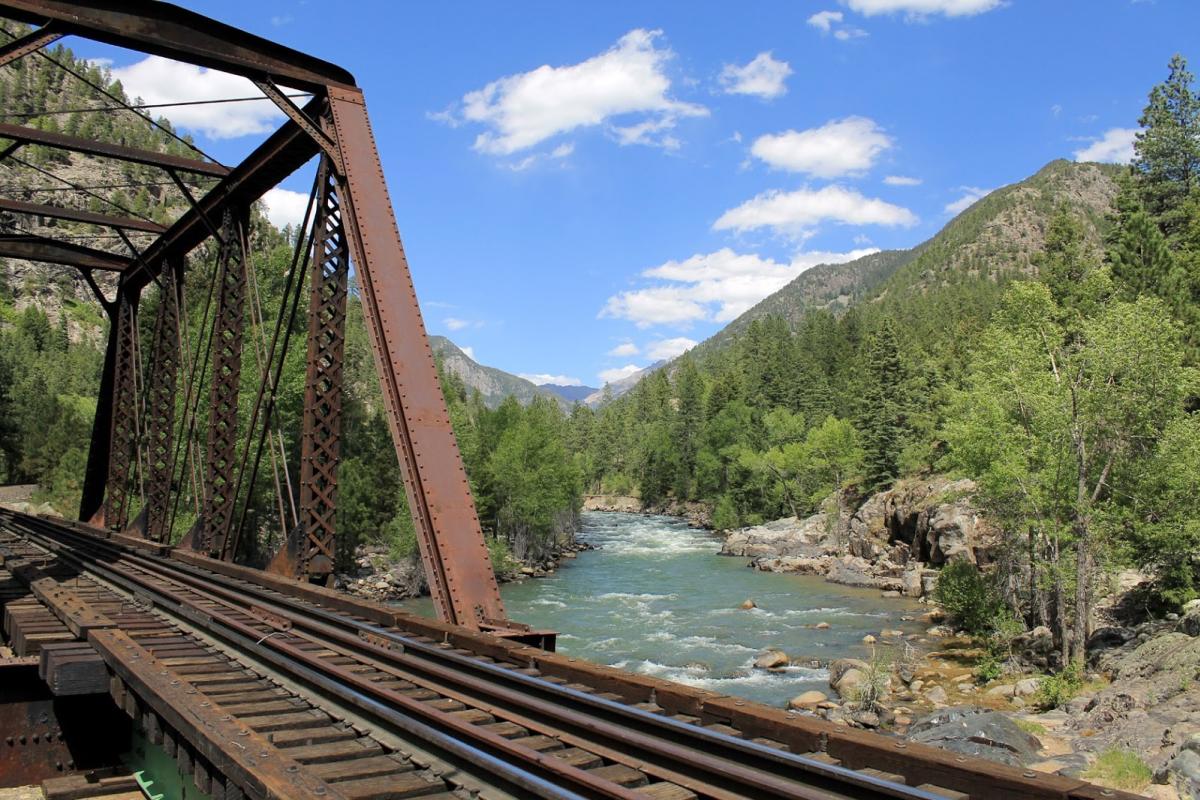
(572, 394)
(996, 238)
(493, 384)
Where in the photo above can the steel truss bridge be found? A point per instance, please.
(266, 683)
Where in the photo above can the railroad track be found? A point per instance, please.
(496, 727)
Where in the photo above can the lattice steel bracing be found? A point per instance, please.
(227, 339)
(160, 404)
(322, 434)
(124, 423)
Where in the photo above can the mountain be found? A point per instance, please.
(494, 384)
(572, 394)
(620, 387)
(995, 239)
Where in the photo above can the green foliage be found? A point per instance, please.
(1120, 769)
(725, 515)
(870, 693)
(969, 597)
(1055, 691)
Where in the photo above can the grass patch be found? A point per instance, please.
(1031, 727)
(1120, 769)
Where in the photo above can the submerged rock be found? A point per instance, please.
(771, 659)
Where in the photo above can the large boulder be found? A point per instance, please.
(1183, 771)
(977, 732)
(780, 538)
(771, 659)
(1190, 623)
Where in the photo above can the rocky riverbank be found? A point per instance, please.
(1139, 700)
(380, 577)
(896, 541)
(697, 515)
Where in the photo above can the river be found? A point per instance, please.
(655, 597)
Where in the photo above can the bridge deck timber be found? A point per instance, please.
(264, 687)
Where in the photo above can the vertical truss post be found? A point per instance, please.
(227, 337)
(124, 424)
(160, 404)
(460, 574)
(320, 448)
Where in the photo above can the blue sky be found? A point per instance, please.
(583, 188)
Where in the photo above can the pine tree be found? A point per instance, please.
(1167, 160)
(1063, 265)
(1141, 262)
(882, 417)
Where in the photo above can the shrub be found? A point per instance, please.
(725, 515)
(969, 597)
(501, 556)
(874, 687)
(1120, 769)
(1055, 691)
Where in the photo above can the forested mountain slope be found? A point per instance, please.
(493, 384)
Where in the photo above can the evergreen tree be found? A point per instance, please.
(1141, 262)
(882, 414)
(1167, 160)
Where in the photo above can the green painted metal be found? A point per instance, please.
(157, 773)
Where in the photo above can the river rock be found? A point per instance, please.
(1026, 687)
(1190, 624)
(840, 666)
(808, 700)
(748, 604)
(937, 695)
(976, 732)
(783, 537)
(1004, 690)
(1183, 771)
(771, 659)
(849, 682)
(822, 626)
(868, 639)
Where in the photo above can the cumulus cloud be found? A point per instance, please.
(901, 180)
(712, 287)
(839, 147)
(823, 20)
(971, 194)
(1115, 146)
(795, 213)
(917, 9)
(763, 77)
(669, 348)
(617, 373)
(285, 207)
(625, 350)
(470, 351)
(159, 80)
(523, 110)
(541, 379)
(828, 22)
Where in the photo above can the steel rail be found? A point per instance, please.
(680, 745)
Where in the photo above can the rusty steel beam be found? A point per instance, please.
(124, 422)
(160, 404)
(77, 215)
(91, 147)
(284, 152)
(24, 45)
(164, 29)
(38, 248)
(229, 328)
(453, 550)
(310, 551)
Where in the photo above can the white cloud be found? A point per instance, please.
(901, 180)
(563, 150)
(669, 348)
(823, 20)
(763, 77)
(526, 109)
(625, 350)
(713, 287)
(970, 195)
(617, 373)
(795, 213)
(456, 324)
(1115, 147)
(470, 351)
(541, 379)
(159, 80)
(839, 147)
(923, 8)
(285, 207)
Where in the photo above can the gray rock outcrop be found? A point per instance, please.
(893, 542)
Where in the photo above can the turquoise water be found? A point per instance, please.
(655, 597)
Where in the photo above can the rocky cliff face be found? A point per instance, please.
(895, 541)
